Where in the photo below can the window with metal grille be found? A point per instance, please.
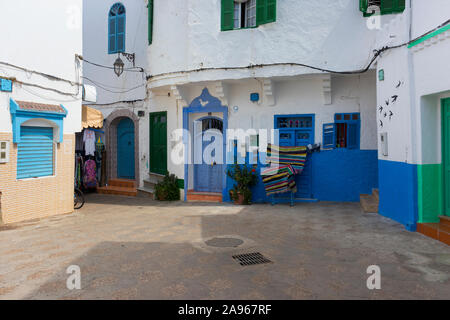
(35, 153)
(116, 28)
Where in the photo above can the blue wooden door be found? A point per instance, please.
(125, 149)
(208, 175)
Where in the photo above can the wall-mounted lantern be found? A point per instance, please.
(119, 65)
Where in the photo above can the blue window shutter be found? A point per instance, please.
(112, 35)
(353, 135)
(329, 135)
(35, 152)
(120, 35)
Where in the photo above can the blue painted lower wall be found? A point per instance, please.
(338, 175)
(398, 192)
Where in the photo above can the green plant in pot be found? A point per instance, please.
(245, 178)
(168, 189)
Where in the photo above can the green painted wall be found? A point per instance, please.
(430, 192)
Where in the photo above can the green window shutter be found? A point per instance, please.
(387, 6)
(400, 5)
(227, 15)
(271, 11)
(261, 11)
(392, 6)
(363, 5)
(150, 21)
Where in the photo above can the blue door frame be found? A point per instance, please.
(205, 103)
(125, 149)
(207, 176)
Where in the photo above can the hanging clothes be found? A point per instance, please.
(89, 142)
(90, 179)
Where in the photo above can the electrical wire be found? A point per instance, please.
(102, 86)
(115, 102)
(376, 54)
(139, 69)
(48, 76)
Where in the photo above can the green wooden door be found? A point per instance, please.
(158, 142)
(446, 153)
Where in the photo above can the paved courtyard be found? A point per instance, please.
(134, 248)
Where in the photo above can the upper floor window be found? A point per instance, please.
(116, 28)
(371, 7)
(238, 14)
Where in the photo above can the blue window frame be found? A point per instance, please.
(116, 28)
(343, 133)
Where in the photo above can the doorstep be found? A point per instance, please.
(194, 196)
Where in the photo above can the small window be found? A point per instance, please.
(239, 14)
(4, 151)
(116, 28)
(344, 133)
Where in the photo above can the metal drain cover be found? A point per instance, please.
(224, 242)
(249, 259)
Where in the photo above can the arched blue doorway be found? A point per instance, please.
(125, 149)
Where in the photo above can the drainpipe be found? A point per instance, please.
(414, 123)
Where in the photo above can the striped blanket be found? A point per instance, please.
(279, 179)
(294, 156)
(285, 163)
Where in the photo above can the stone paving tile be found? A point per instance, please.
(134, 248)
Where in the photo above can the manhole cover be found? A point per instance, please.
(249, 259)
(224, 242)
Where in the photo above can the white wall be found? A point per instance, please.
(95, 42)
(327, 33)
(414, 132)
(42, 36)
(428, 15)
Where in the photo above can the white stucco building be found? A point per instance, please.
(110, 29)
(40, 106)
(413, 93)
(237, 56)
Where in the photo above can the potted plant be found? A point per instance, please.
(245, 178)
(168, 189)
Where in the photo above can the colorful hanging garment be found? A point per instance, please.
(279, 180)
(294, 156)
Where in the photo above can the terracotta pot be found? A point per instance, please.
(240, 200)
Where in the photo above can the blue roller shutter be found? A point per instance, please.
(35, 153)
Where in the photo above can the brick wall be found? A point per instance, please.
(41, 197)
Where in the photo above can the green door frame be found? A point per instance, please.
(445, 148)
(158, 165)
